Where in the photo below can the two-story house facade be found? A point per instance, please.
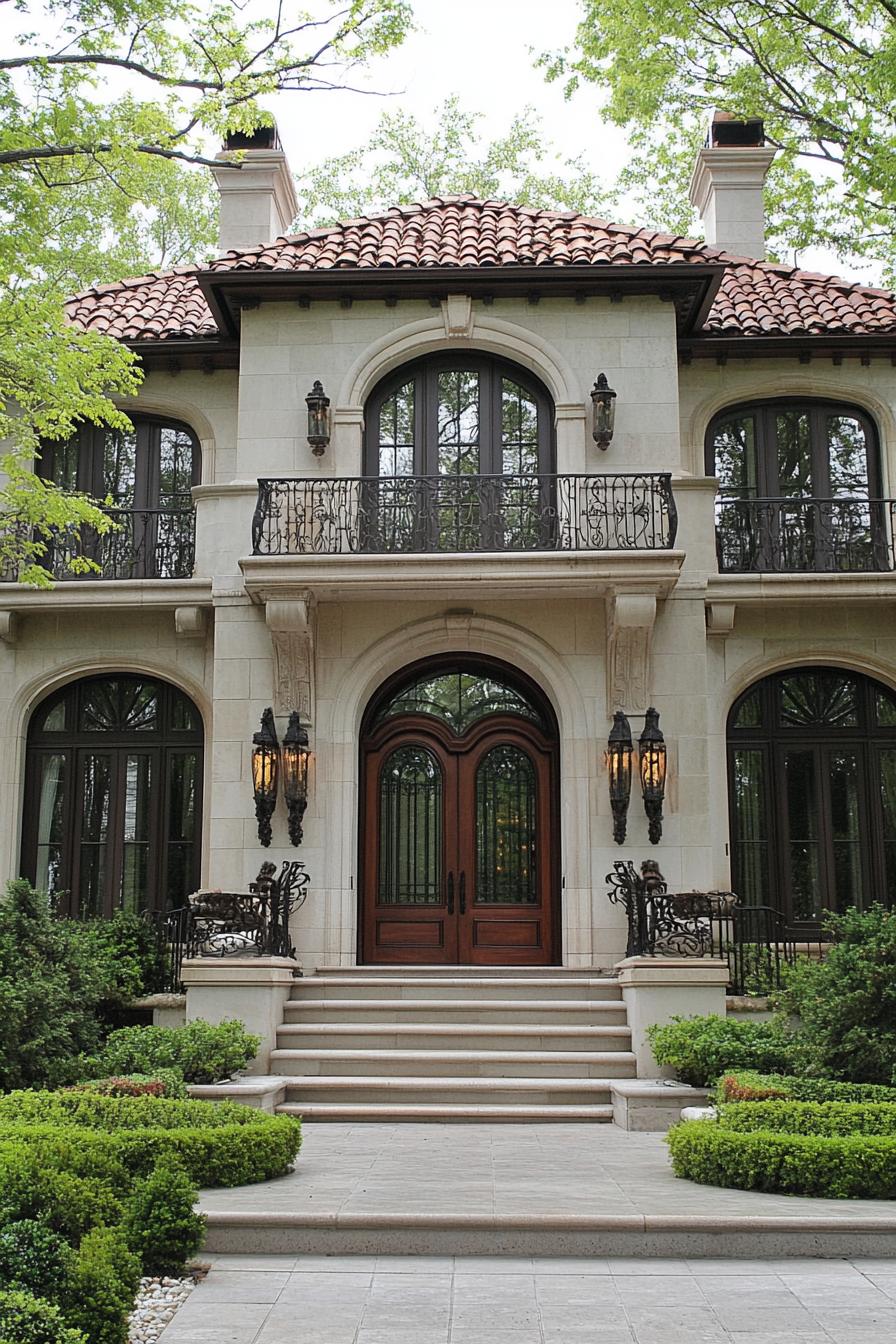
(463, 568)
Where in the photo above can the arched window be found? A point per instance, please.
(148, 473)
(799, 487)
(113, 790)
(812, 792)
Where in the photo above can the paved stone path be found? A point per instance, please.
(504, 1170)
(477, 1300)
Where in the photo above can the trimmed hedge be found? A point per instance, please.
(161, 1083)
(701, 1049)
(747, 1085)
(91, 1111)
(852, 1167)
(810, 1117)
(201, 1052)
(31, 1320)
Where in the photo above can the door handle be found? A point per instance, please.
(463, 893)
(451, 893)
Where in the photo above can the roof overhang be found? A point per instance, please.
(691, 287)
(822, 345)
(200, 352)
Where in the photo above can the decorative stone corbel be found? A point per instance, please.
(457, 314)
(458, 623)
(9, 627)
(720, 617)
(630, 621)
(292, 624)
(189, 622)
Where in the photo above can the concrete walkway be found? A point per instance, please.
(456, 1300)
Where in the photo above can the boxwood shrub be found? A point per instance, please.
(32, 1320)
(856, 1166)
(201, 1052)
(747, 1085)
(701, 1049)
(810, 1117)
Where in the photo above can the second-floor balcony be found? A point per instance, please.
(805, 536)
(459, 514)
(142, 544)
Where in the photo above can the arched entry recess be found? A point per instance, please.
(459, 841)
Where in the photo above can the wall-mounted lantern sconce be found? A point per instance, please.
(265, 774)
(603, 411)
(295, 756)
(318, 404)
(619, 768)
(652, 764)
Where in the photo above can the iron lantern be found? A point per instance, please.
(603, 411)
(318, 404)
(265, 774)
(295, 758)
(619, 768)
(652, 765)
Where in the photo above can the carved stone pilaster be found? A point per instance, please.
(291, 622)
(630, 621)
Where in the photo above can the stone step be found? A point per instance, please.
(481, 972)
(456, 988)
(500, 1012)
(451, 1064)
(450, 1035)
(395, 1113)
(356, 1089)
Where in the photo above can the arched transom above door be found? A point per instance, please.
(459, 819)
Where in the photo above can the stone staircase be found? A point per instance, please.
(462, 1043)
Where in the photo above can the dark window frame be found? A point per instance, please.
(90, 441)
(161, 744)
(867, 739)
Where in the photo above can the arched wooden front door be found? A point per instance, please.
(459, 830)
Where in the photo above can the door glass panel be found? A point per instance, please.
(848, 457)
(396, 433)
(803, 848)
(183, 776)
(827, 699)
(885, 704)
(118, 706)
(138, 782)
(887, 769)
(734, 447)
(96, 792)
(751, 848)
(519, 429)
(51, 822)
(506, 804)
(175, 468)
(458, 422)
(749, 713)
(846, 830)
(459, 699)
(795, 475)
(410, 850)
(119, 474)
(65, 456)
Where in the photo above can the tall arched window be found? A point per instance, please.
(812, 792)
(113, 791)
(148, 473)
(799, 488)
(460, 449)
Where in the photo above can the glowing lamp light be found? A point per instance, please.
(652, 767)
(295, 757)
(619, 769)
(265, 774)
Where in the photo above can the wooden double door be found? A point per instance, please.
(459, 843)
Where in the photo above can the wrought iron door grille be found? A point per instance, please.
(385, 515)
(847, 536)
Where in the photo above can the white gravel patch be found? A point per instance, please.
(157, 1301)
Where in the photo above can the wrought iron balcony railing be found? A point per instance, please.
(385, 515)
(145, 544)
(847, 536)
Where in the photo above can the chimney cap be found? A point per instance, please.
(263, 137)
(727, 131)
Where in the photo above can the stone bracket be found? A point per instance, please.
(9, 627)
(291, 621)
(720, 617)
(457, 314)
(630, 621)
(189, 622)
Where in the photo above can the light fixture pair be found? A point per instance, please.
(651, 768)
(268, 759)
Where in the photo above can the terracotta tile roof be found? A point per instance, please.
(754, 299)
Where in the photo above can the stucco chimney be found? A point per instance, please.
(726, 185)
(258, 200)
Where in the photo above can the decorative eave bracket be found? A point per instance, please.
(630, 621)
(291, 620)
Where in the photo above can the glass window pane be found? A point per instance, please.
(803, 847)
(458, 422)
(119, 705)
(176, 451)
(810, 699)
(887, 771)
(848, 457)
(885, 704)
(183, 790)
(51, 822)
(459, 699)
(749, 712)
(519, 429)
(734, 448)
(119, 478)
(396, 433)
(410, 856)
(750, 867)
(506, 833)
(96, 793)
(65, 456)
(184, 715)
(846, 829)
(53, 719)
(795, 475)
(138, 784)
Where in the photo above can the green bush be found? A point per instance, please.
(131, 950)
(852, 1167)
(31, 1320)
(200, 1052)
(113, 1113)
(701, 1049)
(810, 1117)
(746, 1085)
(100, 1291)
(846, 1003)
(160, 1223)
(32, 1186)
(162, 1083)
(33, 1258)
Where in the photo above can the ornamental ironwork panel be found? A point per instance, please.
(144, 544)
(387, 515)
(847, 536)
